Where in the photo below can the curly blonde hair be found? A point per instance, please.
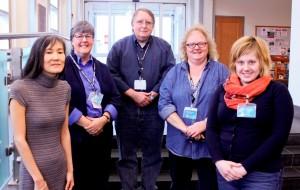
(212, 47)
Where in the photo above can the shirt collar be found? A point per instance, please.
(137, 43)
(79, 61)
(184, 65)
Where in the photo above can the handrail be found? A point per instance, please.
(9, 36)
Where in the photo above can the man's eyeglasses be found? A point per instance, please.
(199, 44)
(141, 22)
(81, 36)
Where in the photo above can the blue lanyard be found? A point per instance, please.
(91, 82)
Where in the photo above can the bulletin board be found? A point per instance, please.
(277, 37)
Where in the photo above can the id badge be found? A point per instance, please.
(140, 84)
(190, 113)
(96, 99)
(247, 110)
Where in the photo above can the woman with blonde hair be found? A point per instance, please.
(249, 121)
(184, 99)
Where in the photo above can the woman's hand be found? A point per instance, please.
(69, 181)
(84, 122)
(96, 126)
(196, 129)
(40, 185)
(230, 170)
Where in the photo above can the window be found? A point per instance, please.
(4, 22)
(112, 21)
(53, 16)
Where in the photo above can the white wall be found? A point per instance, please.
(271, 13)
(294, 79)
(256, 12)
(208, 16)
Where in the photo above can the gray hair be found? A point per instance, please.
(82, 27)
(150, 13)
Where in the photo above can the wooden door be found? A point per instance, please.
(227, 30)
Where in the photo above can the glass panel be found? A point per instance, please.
(53, 18)
(4, 134)
(121, 20)
(54, 3)
(173, 25)
(25, 55)
(101, 36)
(4, 5)
(112, 21)
(4, 44)
(122, 26)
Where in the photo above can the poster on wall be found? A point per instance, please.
(277, 37)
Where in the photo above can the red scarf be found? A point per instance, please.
(235, 93)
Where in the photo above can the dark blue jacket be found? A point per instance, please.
(78, 96)
(123, 64)
(256, 143)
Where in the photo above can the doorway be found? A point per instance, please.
(112, 21)
(227, 30)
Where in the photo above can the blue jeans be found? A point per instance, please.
(144, 132)
(253, 181)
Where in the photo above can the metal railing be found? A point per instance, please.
(10, 36)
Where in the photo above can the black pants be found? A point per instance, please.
(181, 169)
(92, 161)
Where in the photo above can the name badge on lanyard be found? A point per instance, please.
(96, 99)
(190, 113)
(246, 110)
(140, 84)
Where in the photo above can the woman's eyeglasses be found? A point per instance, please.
(81, 36)
(199, 44)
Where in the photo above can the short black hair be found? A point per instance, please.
(35, 62)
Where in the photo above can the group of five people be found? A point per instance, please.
(229, 125)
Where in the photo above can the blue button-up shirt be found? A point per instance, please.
(176, 94)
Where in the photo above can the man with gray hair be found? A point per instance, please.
(138, 64)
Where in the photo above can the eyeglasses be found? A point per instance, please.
(141, 22)
(199, 44)
(81, 36)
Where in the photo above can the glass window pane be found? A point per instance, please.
(102, 34)
(53, 19)
(4, 44)
(167, 29)
(112, 21)
(121, 20)
(54, 3)
(122, 25)
(4, 5)
(4, 23)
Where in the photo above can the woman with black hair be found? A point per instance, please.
(39, 104)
